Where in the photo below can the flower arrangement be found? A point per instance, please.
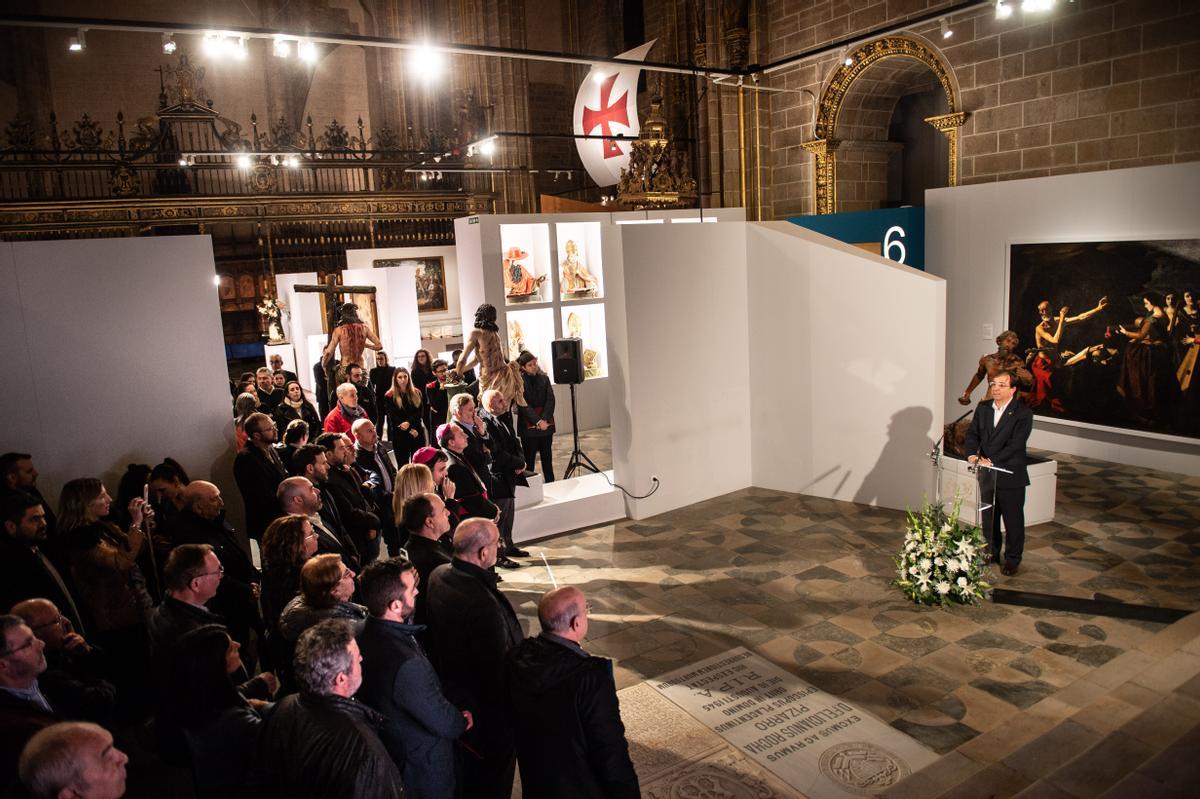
(943, 560)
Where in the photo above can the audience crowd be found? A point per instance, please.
(364, 649)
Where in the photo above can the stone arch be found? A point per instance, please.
(924, 59)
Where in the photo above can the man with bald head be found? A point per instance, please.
(76, 680)
(202, 521)
(74, 759)
(472, 626)
(563, 706)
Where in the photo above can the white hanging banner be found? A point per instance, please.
(606, 105)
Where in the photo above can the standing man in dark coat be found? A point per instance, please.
(997, 437)
(345, 486)
(470, 487)
(320, 742)
(202, 521)
(535, 419)
(563, 704)
(373, 460)
(473, 627)
(507, 466)
(258, 472)
(437, 401)
(425, 519)
(400, 683)
(380, 380)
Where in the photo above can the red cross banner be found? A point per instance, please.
(606, 105)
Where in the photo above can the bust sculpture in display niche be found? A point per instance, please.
(516, 336)
(576, 279)
(272, 311)
(591, 358)
(519, 284)
(351, 335)
(483, 347)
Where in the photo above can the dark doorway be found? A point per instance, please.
(924, 161)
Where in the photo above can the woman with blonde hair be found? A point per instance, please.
(404, 408)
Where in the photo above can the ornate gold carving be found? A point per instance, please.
(824, 173)
(262, 179)
(830, 105)
(125, 182)
(949, 125)
(658, 174)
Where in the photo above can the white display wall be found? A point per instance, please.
(115, 355)
(846, 359)
(968, 231)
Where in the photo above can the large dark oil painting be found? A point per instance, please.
(1111, 332)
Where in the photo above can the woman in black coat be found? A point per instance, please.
(219, 725)
(421, 369)
(405, 410)
(295, 406)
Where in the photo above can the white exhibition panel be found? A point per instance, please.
(678, 369)
(125, 334)
(399, 350)
(396, 302)
(968, 230)
(304, 321)
(846, 362)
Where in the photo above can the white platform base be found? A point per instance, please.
(533, 494)
(568, 505)
(1039, 495)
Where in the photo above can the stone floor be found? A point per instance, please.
(596, 444)
(804, 582)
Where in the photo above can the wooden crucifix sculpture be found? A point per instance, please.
(348, 333)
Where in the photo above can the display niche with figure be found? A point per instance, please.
(520, 285)
(576, 281)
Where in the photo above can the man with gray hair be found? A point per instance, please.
(74, 759)
(321, 742)
(563, 705)
(472, 626)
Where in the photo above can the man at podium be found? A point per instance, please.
(997, 438)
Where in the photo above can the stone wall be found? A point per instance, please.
(1093, 84)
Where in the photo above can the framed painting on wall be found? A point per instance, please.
(431, 280)
(1111, 332)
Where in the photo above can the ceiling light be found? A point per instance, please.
(946, 32)
(243, 162)
(1003, 10)
(216, 280)
(78, 42)
(291, 162)
(599, 76)
(283, 47)
(307, 51)
(168, 44)
(183, 160)
(239, 48)
(1037, 5)
(488, 147)
(212, 44)
(426, 61)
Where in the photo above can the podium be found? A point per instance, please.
(977, 487)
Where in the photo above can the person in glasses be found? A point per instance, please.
(76, 680)
(24, 710)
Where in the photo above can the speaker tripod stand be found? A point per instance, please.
(579, 460)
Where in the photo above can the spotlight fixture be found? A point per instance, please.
(437, 159)
(599, 76)
(238, 47)
(216, 280)
(488, 147)
(212, 44)
(282, 48)
(78, 42)
(946, 32)
(183, 160)
(1037, 5)
(307, 51)
(846, 58)
(274, 160)
(1003, 10)
(243, 162)
(439, 175)
(426, 61)
(291, 162)
(168, 44)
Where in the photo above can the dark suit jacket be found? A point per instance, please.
(570, 739)
(470, 491)
(19, 721)
(426, 555)
(1005, 443)
(354, 505)
(258, 476)
(507, 457)
(235, 598)
(472, 626)
(24, 575)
